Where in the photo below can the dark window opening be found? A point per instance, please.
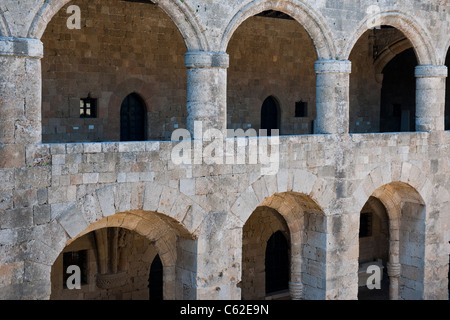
(365, 225)
(88, 108)
(301, 109)
(75, 258)
(155, 281)
(277, 263)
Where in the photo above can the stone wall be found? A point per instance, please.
(109, 62)
(194, 215)
(271, 57)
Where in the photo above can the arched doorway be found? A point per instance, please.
(132, 118)
(155, 281)
(373, 249)
(270, 115)
(396, 242)
(277, 264)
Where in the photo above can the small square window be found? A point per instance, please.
(77, 258)
(88, 108)
(365, 225)
(301, 109)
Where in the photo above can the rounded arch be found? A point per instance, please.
(418, 36)
(314, 24)
(310, 191)
(177, 11)
(390, 53)
(394, 182)
(161, 231)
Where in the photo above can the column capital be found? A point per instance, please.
(333, 66)
(431, 71)
(22, 47)
(206, 59)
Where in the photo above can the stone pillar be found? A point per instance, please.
(207, 89)
(20, 98)
(394, 266)
(430, 97)
(332, 96)
(393, 270)
(25, 175)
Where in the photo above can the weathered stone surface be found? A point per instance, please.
(210, 224)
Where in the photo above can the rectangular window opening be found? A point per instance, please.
(301, 109)
(88, 108)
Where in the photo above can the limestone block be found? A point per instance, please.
(122, 197)
(303, 181)
(72, 221)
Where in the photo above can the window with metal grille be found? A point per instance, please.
(75, 258)
(88, 107)
(365, 225)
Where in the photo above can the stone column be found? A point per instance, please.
(393, 270)
(20, 98)
(332, 96)
(207, 89)
(24, 175)
(394, 266)
(430, 97)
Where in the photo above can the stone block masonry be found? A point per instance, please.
(65, 190)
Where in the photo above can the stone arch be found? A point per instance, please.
(406, 174)
(403, 192)
(418, 36)
(162, 231)
(314, 24)
(298, 197)
(178, 12)
(388, 54)
(292, 181)
(104, 208)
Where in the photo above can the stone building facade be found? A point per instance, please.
(357, 90)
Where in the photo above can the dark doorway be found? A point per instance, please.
(277, 263)
(398, 94)
(132, 118)
(270, 115)
(155, 281)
